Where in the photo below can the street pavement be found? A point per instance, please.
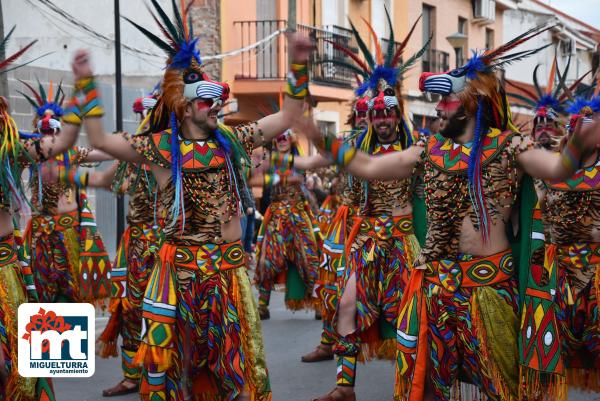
(287, 336)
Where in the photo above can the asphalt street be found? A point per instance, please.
(287, 336)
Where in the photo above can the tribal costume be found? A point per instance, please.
(560, 330)
(131, 270)
(201, 336)
(381, 245)
(65, 251)
(16, 281)
(289, 242)
(333, 260)
(134, 261)
(459, 313)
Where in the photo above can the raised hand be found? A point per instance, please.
(299, 47)
(306, 125)
(81, 66)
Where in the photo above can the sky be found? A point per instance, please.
(585, 10)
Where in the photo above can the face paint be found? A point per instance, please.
(203, 104)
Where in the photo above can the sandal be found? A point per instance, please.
(120, 389)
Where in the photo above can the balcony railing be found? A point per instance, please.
(270, 60)
(435, 61)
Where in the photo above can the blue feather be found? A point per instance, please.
(29, 135)
(223, 142)
(187, 51)
(361, 138)
(475, 65)
(56, 109)
(474, 176)
(178, 203)
(595, 104)
(550, 101)
(575, 106)
(388, 74)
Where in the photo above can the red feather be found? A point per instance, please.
(350, 54)
(527, 91)
(489, 56)
(398, 53)
(15, 56)
(569, 92)
(164, 31)
(38, 98)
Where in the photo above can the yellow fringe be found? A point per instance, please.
(296, 305)
(382, 349)
(497, 378)
(256, 376)
(12, 295)
(162, 358)
(541, 386)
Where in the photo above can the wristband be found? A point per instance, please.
(297, 81)
(84, 103)
(341, 152)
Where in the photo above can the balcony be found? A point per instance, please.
(435, 61)
(270, 61)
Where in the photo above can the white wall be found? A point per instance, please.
(530, 15)
(34, 20)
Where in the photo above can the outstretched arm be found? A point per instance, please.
(296, 90)
(115, 145)
(547, 165)
(96, 155)
(49, 146)
(311, 162)
(397, 165)
(103, 178)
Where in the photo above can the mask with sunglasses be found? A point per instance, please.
(199, 86)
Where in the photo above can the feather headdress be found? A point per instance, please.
(10, 146)
(47, 106)
(484, 99)
(184, 81)
(382, 69)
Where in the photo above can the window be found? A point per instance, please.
(489, 38)
(462, 25)
(428, 22)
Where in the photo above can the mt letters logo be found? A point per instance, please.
(56, 340)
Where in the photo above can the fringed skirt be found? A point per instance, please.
(288, 253)
(201, 331)
(560, 332)
(458, 322)
(379, 252)
(13, 294)
(68, 258)
(129, 276)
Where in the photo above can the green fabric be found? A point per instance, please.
(524, 249)
(386, 329)
(295, 287)
(419, 219)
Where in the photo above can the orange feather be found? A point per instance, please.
(378, 51)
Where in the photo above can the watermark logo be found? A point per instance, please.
(56, 340)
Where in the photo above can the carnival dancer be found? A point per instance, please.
(135, 255)
(334, 235)
(16, 282)
(201, 334)
(560, 330)
(459, 311)
(65, 251)
(381, 246)
(288, 246)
